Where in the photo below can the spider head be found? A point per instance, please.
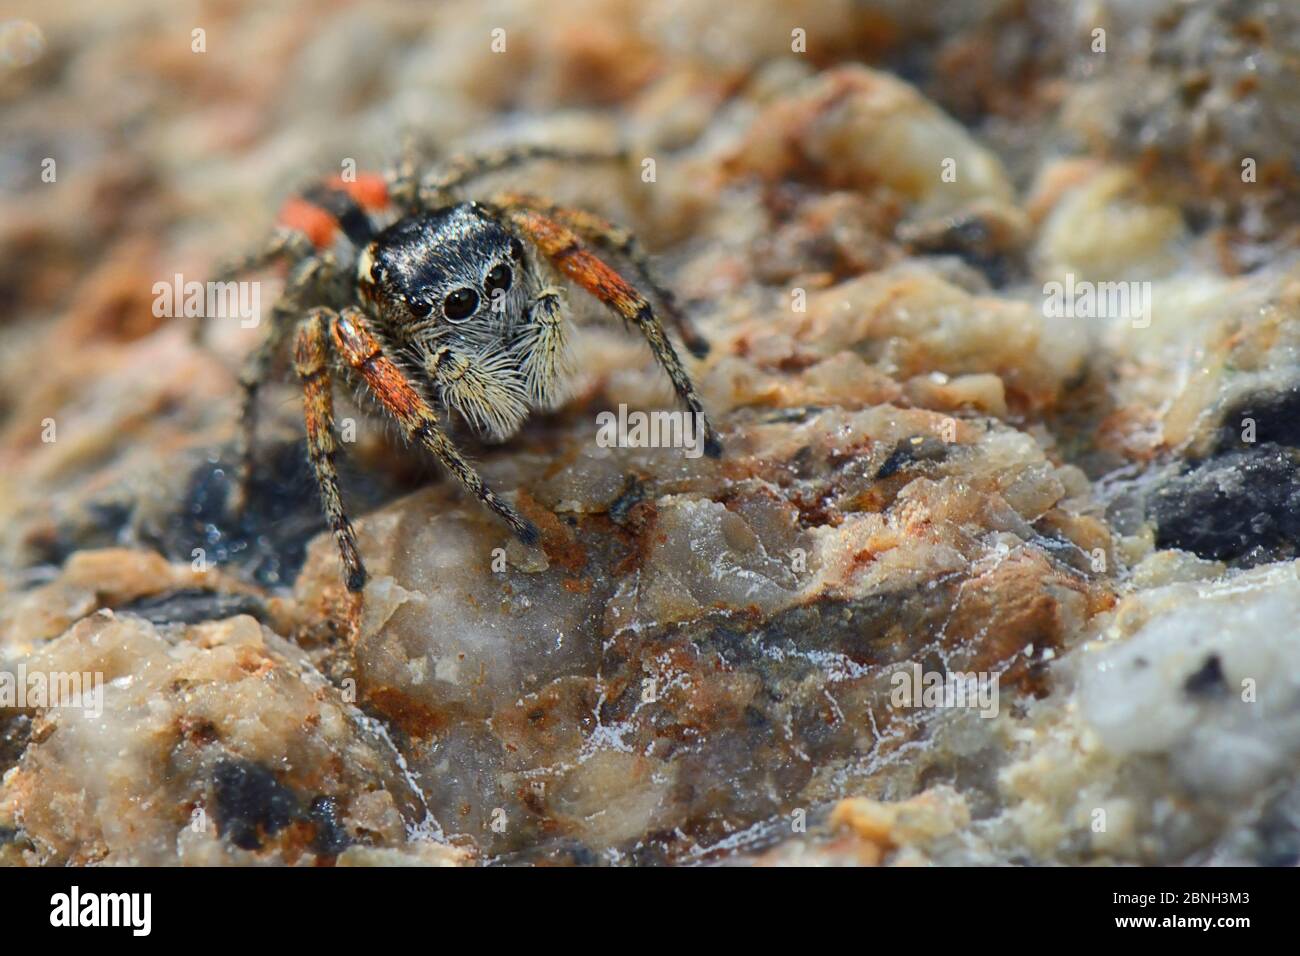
(455, 285)
(456, 272)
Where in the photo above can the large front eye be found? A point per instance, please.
(460, 304)
(499, 278)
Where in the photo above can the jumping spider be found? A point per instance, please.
(445, 308)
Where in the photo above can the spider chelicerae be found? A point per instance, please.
(446, 308)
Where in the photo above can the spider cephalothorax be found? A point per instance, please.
(448, 307)
(462, 297)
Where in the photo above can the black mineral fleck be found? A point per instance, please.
(193, 606)
(1265, 418)
(911, 451)
(250, 803)
(331, 839)
(1241, 506)
(1208, 681)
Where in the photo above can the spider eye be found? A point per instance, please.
(516, 250)
(419, 306)
(499, 278)
(460, 304)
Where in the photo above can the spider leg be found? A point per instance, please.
(548, 359)
(283, 243)
(566, 252)
(311, 362)
(359, 349)
(612, 238)
(434, 190)
(253, 374)
(257, 366)
(404, 182)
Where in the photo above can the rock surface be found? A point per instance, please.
(927, 471)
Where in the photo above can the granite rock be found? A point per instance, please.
(927, 471)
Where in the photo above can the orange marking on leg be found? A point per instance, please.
(360, 350)
(565, 250)
(370, 190)
(559, 244)
(547, 234)
(591, 273)
(315, 223)
(354, 342)
(394, 390)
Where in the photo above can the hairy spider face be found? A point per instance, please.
(455, 272)
(454, 286)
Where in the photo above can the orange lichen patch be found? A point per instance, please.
(1055, 181)
(1089, 533)
(887, 826)
(552, 721)
(699, 691)
(197, 732)
(776, 145)
(1012, 612)
(115, 299)
(411, 716)
(721, 701)
(603, 61)
(1132, 432)
(817, 511)
(119, 575)
(562, 547)
(253, 661)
